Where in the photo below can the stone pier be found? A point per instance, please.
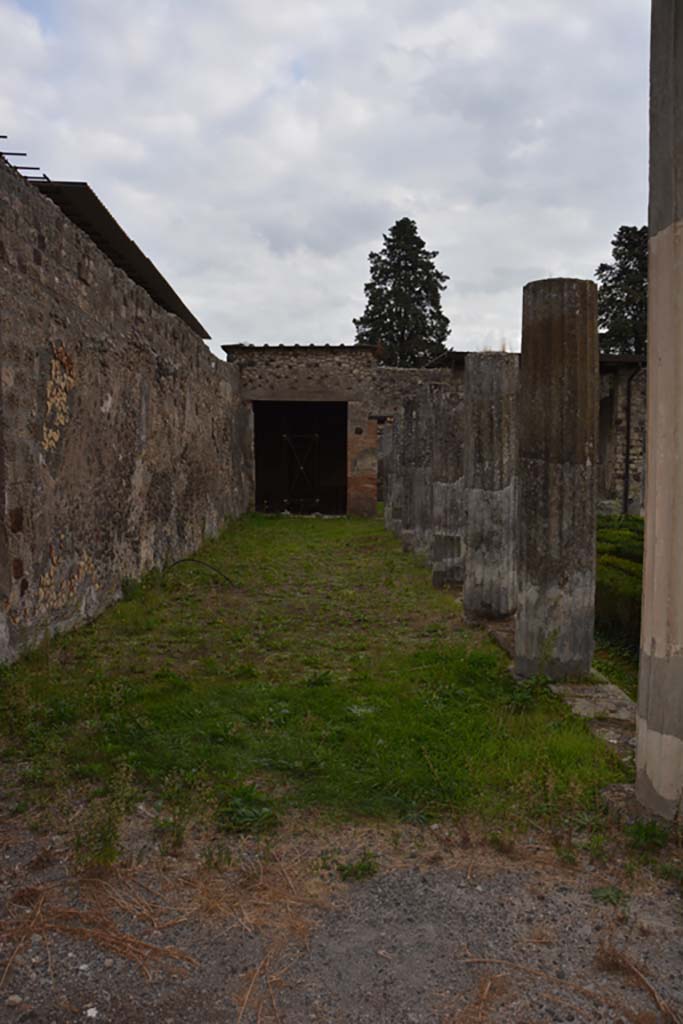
(406, 468)
(448, 489)
(385, 473)
(660, 692)
(558, 402)
(393, 514)
(415, 469)
(425, 428)
(491, 383)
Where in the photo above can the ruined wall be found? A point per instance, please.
(389, 388)
(123, 441)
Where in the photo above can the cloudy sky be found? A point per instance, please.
(257, 150)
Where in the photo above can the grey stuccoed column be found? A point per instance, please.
(491, 382)
(422, 472)
(659, 783)
(558, 402)
(448, 488)
(386, 468)
(394, 518)
(408, 457)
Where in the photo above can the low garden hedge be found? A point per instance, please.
(619, 577)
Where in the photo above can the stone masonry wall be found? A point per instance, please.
(123, 441)
(332, 373)
(390, 387)
(339, 373)
(615, 448)
(301, 373)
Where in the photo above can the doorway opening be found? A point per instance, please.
(300, 454)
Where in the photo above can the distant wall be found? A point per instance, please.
(340, 373)
(334, 373)
(303, 373)
(390, 387)
(123, 440)
(621, 449)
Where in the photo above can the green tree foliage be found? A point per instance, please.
(622, 298)
(403, 316)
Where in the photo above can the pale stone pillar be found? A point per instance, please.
(660, 692)
(491, 383)
(558, 401)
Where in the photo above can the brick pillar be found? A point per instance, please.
(558, 401)
(361, 481)
(448, 489)
(659, 783)
(491, 381)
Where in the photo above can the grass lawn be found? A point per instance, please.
(330, 676)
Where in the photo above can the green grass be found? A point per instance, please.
(619, 578)
(332, 676)
(618, 660)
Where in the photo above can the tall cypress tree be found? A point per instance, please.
(622, 295)
(403, 317)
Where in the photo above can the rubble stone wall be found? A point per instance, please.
(621, 454)
(123, 441)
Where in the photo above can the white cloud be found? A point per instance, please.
(257, 152)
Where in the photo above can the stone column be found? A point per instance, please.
(491, 382)
(448, 488)
(408, 457)
(422, 472)
(558, 400)
(660, 692)
(393, 518)
(385, 469)
(384, 462)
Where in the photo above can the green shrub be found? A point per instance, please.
(623, 565)
(621, 536)
(619, 577)
(632, 524)
(617, 603)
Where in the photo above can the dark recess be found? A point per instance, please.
(300, 450)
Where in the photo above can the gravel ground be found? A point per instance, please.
(446, 931)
